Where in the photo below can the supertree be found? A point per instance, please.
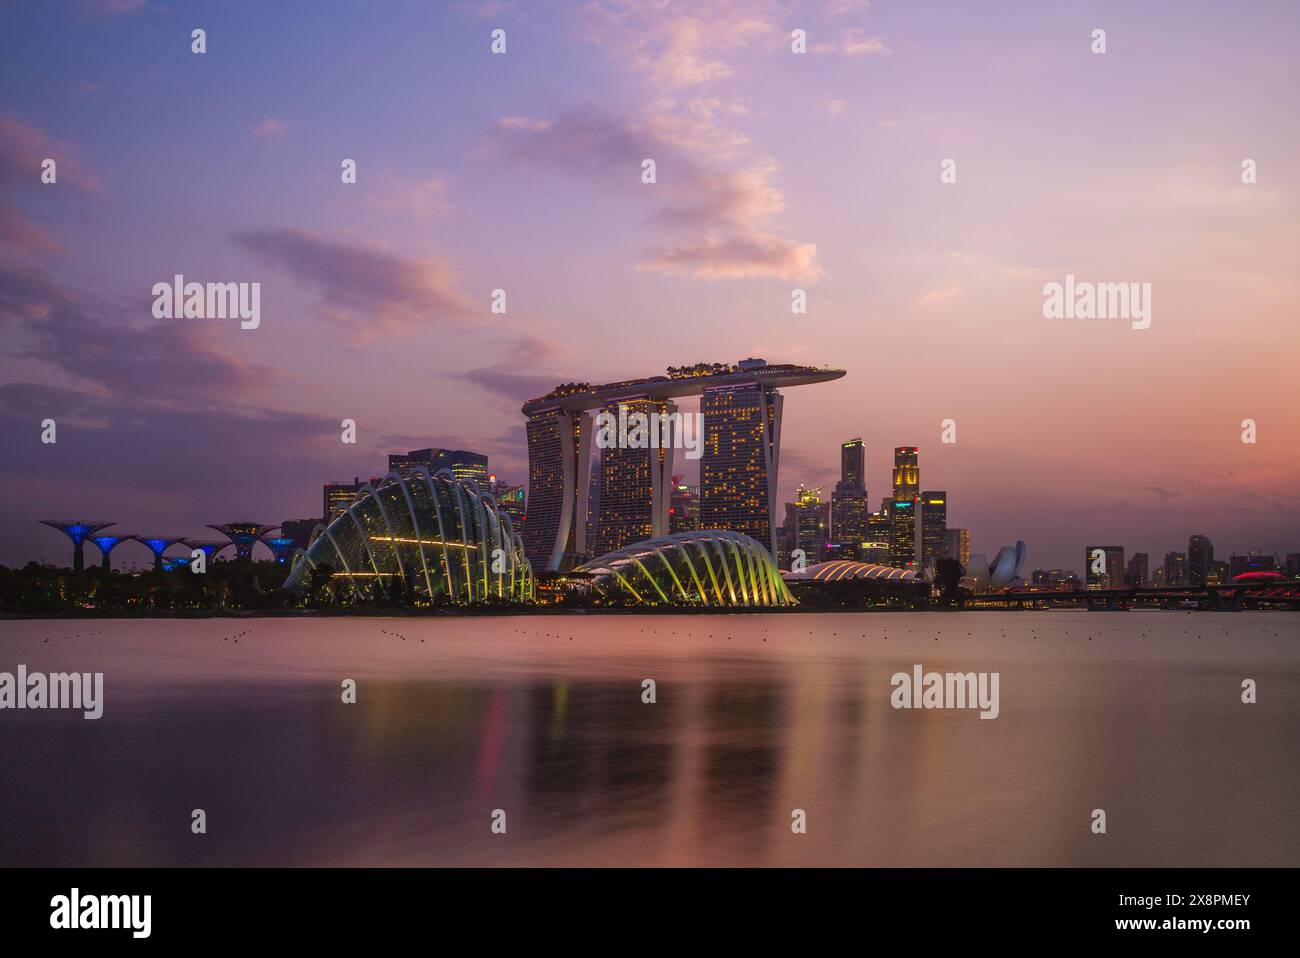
(78, 530)
(107, 543)
(244, 535)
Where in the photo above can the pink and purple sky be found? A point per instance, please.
(522, 171)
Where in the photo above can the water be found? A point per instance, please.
(1137, 713)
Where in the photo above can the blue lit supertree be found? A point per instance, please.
(78, 530)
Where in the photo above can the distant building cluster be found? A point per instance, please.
(909, 531)
(438, 525)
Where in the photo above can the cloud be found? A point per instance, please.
(504, 380)
(729, 257)
(717, 218)
(937, 295)
(270, 127)
(1162, 494)
(421, 200)
(101, 344)
(684, 44)
(365, 290)
(23, 148)
(853, 42)
(108, 9)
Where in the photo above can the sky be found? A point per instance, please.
(774, 171)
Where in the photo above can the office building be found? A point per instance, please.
(1200, 559)
(1105, 571)
(1136, 575)
(933, 519)
(959, 545)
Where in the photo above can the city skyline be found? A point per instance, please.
(376, 297)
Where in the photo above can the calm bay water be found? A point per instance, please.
(1138, 713)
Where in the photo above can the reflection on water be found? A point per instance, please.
(1137, 713)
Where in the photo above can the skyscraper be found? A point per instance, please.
(807, 526)
(959, 545)
(462, 463)
(1175, 568)
(741, 413)
(907, 474)
(1200, 559)
(683, 512)
(510, 502)
(1136, 576)
(933, 507)
(1105, 571)
(559, 476)
(738, 471)
(337, 497)
(853, 465)
(635, 483)
(902, 530)
(849, 505)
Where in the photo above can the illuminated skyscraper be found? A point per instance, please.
(934, 525)
(510, 501)
(907, 474)
(337, 497)
(1105, 571)
(1200, 559)
(959, 545)
(853, 465)
(738, 472)
(741, 412)
(683, 511)
(902, 532)
(472, 466)
(635, 480)
(559, 476)
(1175, 568)
(1136, 575)
(849, 505)
(807, 527)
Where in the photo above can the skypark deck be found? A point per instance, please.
(685, 381)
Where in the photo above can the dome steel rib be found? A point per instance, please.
(433, 536)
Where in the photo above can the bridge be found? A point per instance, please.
(1270, 593)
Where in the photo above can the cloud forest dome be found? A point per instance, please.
(423, 538)
(706, 568)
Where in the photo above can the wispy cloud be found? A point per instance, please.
(364, 289)
(23, 148)
(420, 200)
(853, 42)
(270, 127)
(105, 349)
(716, 221)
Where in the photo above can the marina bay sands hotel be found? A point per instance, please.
(741, 409)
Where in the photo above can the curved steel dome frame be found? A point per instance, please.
(837, 570)
(436, 533)
(709, 568)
